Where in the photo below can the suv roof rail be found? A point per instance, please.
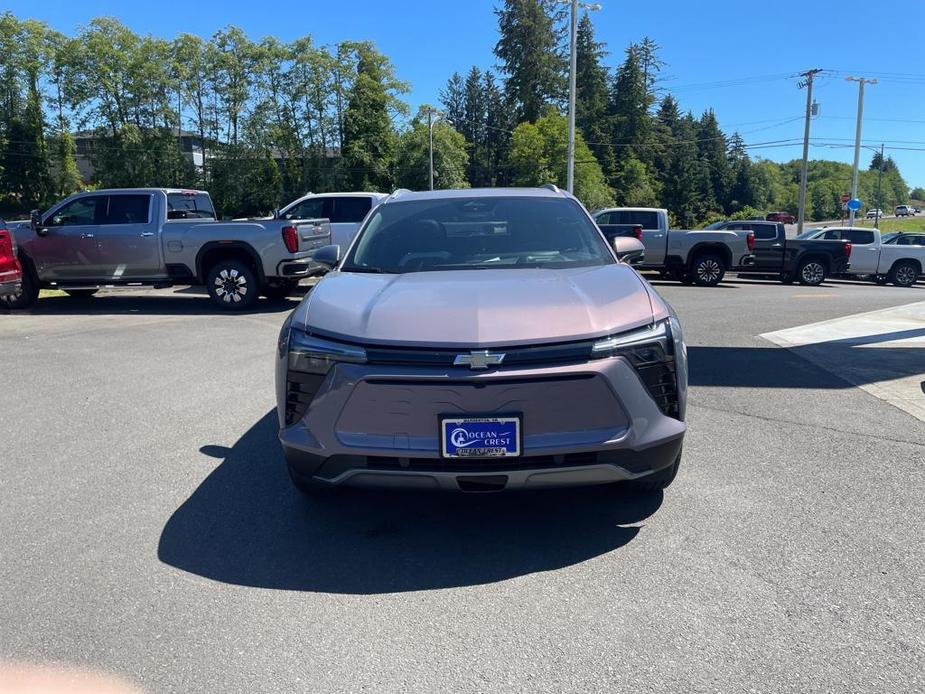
(551, 186)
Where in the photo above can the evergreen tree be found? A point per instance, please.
(530, 56)
(711, 149)
(473, 128)
(496, 131)
(452, 99)
(370, 140)
(591, 94)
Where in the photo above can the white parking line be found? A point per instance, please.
(881, 352)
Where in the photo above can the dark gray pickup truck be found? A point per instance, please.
(159, 237)
(792, 260)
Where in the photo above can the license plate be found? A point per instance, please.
(480, 437)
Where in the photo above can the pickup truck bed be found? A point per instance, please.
(161, 236)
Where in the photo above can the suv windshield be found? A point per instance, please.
(476, 233)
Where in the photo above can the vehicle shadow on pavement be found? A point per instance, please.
(155, 304)
(779, 367)
(247, 525)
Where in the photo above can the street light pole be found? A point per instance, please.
(430, 141)
(573, 88)
(857, 142)
(801, 212)
(879, 195)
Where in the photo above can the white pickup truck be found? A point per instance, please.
(699, 256)
(897, 260)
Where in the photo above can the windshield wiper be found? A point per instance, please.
(362, 268)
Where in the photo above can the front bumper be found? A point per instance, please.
(587, 423)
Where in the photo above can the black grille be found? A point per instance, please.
(300, 390)
(487, 464)
(662, 384)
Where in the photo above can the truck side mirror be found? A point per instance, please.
(35, 219)
(629, 250)
(327, 256)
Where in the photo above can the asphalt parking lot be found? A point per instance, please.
(147, 526)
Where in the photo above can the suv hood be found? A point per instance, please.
(467, 308)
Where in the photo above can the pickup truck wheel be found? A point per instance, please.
(279, 289)
(811, 273)
(903, 274)
(657, 481)
(27, 295)
(232, 285)
(708, 270)
(80, 293)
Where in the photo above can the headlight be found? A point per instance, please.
(310, 354)
(647, 345)
(659, 356)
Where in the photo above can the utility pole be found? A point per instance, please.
(801, 213)
(572, 88)
(857, 141)
(430, 140)
(879, 196)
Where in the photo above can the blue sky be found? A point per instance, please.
(736, 56)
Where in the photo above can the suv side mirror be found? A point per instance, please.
(629, 250)
(35, 220)
(327, 256)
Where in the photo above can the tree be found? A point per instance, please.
(450, 156)
(530, 55)
(370, 140)
(917, 193)
(538, 156)
(711, 148)
(496, 131)
(591, 93)
(473, 127)
(452, 99)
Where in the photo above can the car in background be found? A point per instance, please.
(345, 210)
(904, 211)
(783, 217)
(874, 213)
(693, 256)
(481, 340)
(808, 261)
(882, 260)
(10, 268)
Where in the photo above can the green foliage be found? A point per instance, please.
(370, 139)
(538, 156)
(917, 193)
(450, 156)
(528, 48)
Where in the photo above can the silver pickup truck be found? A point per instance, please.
(693, 256)
(159, 237)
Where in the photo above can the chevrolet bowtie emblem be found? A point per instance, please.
(479, 359)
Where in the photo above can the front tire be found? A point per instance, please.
(811, 273)
(903, 274)
(708, 270)
(27, 295)
(232, 285)
(657, 481)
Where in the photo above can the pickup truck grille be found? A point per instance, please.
(300, 391)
